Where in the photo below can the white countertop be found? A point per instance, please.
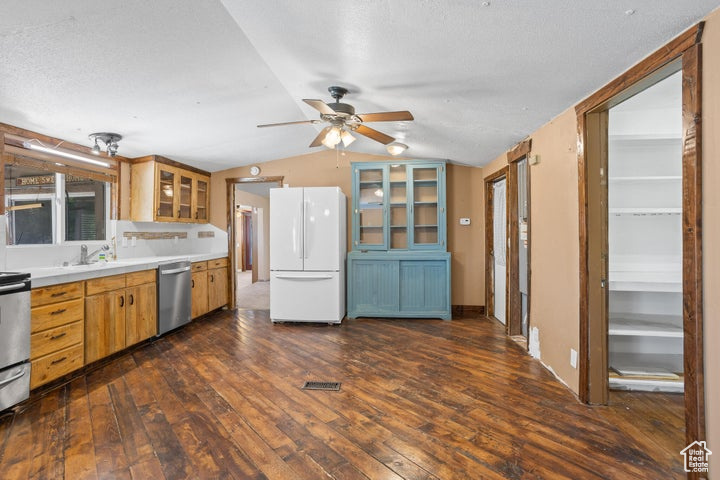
(43, 277)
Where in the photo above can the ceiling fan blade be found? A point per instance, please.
(287, 123)
(320, 106)
(321, 136)
(374, 134)
(386, 116)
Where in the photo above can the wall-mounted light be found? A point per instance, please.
(62, 153)
(396, 148)
(109, 139)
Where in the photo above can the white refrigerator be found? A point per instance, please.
(307, 254)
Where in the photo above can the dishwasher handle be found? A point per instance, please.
(10, 288)
(13, 378)
(174, 270)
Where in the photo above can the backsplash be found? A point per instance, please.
(151, 239)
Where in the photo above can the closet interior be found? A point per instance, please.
(644, 175)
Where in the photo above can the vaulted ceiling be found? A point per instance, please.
(191, 79)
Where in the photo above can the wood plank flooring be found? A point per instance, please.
(420, 399)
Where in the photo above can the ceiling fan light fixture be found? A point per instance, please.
(332, 137)
(346, 138)
(396, 148)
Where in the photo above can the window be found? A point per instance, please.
(47, 207)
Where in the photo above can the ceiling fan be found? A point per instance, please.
(342, 119)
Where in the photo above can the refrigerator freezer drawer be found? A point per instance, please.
(14, 385)
(307, 297)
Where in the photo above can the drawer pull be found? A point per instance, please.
(132, 299)
(192, 283)
(59, 335)
(58, 312)
(58, 360)
(57, 294)
(122, 301)
(212, 278)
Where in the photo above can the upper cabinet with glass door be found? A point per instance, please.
(399, 206)
(167, 193)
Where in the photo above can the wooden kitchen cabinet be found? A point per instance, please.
(56, 341)
(217, 275)
(199, 289)
(209, 286)
(165, 191)
(121, 310)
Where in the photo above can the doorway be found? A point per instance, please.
(249, 240)
(496, 220)
(681, 54)
(518, 274)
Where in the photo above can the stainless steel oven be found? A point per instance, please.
(14, 338)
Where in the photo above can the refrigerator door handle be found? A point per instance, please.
(299, 233)
(306, 225)
(305, 277)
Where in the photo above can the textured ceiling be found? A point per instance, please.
(191, 79)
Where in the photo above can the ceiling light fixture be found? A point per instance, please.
(64, 154)
(332, 137)
(109, 139)
(396, 148)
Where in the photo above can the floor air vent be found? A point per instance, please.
(334, 386)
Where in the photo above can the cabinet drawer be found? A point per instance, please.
(199, 266)
(56, 293)
(104, 284)
(139, 278)
(55, 339)
(56, 314)
(56, 365)
(218, 263)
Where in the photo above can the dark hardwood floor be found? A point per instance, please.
(420, 399)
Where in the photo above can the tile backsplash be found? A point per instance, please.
(190, 239)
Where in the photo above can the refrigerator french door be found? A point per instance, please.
(307, 254)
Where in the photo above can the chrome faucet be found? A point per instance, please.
(85, 256)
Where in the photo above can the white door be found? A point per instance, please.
(286, 229)
(499, 248)
(322, 229)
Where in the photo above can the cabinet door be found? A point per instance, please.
(423, 286)
(201, 198)
(427, 207)
(166, 198)
(374, 286)
(141, 315)
(217, 288)
(399, 211)
(104, 324)
(199, 294)
(185, 198)
(370, 221)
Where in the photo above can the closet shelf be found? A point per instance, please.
(652, 178)
(644, 211)
(646, 325)
(646, 281)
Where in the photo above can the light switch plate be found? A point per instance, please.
(464, 221)
(573, 358)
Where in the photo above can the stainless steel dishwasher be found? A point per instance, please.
(14, 338)
(173, 296)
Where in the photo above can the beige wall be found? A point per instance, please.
(711, 232)
(325, 168)
(554, 259)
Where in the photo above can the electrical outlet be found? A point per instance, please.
(175, 240)
(133, 241)
(124, 241)
(573, 358)
(464, 221)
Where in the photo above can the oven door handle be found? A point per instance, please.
(11, 287)
(13, 378)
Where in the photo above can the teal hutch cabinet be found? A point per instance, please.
(399, 265)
